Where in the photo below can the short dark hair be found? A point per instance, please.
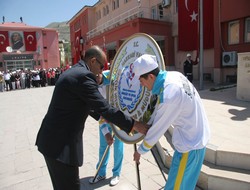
(94, 51)
(155, 72)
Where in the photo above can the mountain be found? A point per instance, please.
(62, 28)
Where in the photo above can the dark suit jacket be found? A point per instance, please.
(188, 67)
(75, 94)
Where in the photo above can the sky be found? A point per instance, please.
(41, 12)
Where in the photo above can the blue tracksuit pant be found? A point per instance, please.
(185, 169)
(118, 153)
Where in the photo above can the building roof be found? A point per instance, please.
(78, 13)
(22, 26)
(17, 25)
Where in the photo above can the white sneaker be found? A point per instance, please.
(114, 180)
(97, 179)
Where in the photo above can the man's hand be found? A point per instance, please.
(141, 127)
(137, 157)
(109, 139)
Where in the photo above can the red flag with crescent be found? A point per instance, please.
(77, 46)
(4, 40)
(30, 41)
(188, 24)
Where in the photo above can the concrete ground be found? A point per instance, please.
(23, 167)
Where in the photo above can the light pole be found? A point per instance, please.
(201, 44)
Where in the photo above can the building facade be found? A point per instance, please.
(231, 36)
(28, 47)
(109, 23)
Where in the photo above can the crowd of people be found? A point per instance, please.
(27, 78)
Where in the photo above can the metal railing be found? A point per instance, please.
(136, 12)
(122, 18)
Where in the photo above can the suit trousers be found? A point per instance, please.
(63, 176)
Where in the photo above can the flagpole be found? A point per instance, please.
(201, 44)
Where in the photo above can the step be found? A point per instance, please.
(226, 153)
(223, 178)
(228, 156)
(212, 177)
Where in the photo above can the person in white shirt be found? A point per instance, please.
(7, 81)
(22, 78)
(36, 79)
(179, 105)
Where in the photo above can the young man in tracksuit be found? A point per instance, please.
(179, 105)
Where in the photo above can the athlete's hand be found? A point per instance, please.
(141, 127)
(137, 157)
(109, 139)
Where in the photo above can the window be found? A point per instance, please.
(125, 1)
(83, 20)
(117, 3)
(247, 30)
(96, 15)
(153, 13)
(233, 32)
(176, 6)
(99, 13)
(107, 9)
(104, 11)
(160, 8)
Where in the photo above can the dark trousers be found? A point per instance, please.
(8, 85)
(63, 176)
(190, 77)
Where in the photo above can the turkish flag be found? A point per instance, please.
(188, 24)
(4, 40)
(106, 66)
(208, 26)
(77, 46)
(30, 41)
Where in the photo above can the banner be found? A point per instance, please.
(77, 46)
(17, 40)
(188, 24)
(30, 41)
(4, 40)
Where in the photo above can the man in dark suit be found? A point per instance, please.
(76, 96)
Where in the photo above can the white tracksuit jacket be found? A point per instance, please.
(179, 105)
